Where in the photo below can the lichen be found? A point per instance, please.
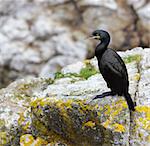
(144, 120)
(69, 118)
(28, 140)
(2, 123)
(90, 124)
(137, 77)
(132, 58)
(118, 127)
(85, 72)
(3, 138)
(88, 70)
(59, 75)
(111, 112)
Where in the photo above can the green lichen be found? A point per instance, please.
(85, 72)
(132, 58)
(59, 75)
(88, 71)
(49, 81)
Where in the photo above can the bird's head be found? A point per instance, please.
(101, 35)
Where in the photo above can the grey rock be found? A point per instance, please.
(64, 105)
(56, 64)
(34, 33)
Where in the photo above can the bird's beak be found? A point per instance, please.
(94, 37)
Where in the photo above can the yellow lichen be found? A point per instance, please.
(40, 102)
(39, 142)
(144, 120)
(2, 122)
(64, 107)
(90, 124)
(40, 127)
(148, 138)
(137, 77)
(144, 123)
(87, 61)
(107, 112)
(112, 112)
(26, 140)
(118, 127)
(145, 109)
(106, 123)
(21, 119)
(3, 138)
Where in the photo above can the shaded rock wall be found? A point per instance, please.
(42, 36)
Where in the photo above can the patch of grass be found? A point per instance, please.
(132, 58)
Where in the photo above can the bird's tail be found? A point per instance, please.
(130, 102)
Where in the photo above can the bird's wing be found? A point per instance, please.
(116, 65)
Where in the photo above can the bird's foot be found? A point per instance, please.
(98, 96)
(110, 93)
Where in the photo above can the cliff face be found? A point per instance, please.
(60, 110)
(39, 36)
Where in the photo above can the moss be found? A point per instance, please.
(132, 58)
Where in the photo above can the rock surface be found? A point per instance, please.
(38, 36)
(60, 110)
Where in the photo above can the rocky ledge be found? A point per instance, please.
(60, 111)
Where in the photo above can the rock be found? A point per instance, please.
(56, 64)
(34, 33)
(60, 110)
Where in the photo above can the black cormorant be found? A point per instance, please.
(112, 68)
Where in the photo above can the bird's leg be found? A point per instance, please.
(104, 94)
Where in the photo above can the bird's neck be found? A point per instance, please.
(100, 49)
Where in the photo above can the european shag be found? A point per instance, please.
(112, 68)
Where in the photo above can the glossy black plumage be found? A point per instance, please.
(112, 68)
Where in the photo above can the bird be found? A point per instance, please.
(112, 68)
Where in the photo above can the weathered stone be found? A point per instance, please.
(50, 29)
(61, 110)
